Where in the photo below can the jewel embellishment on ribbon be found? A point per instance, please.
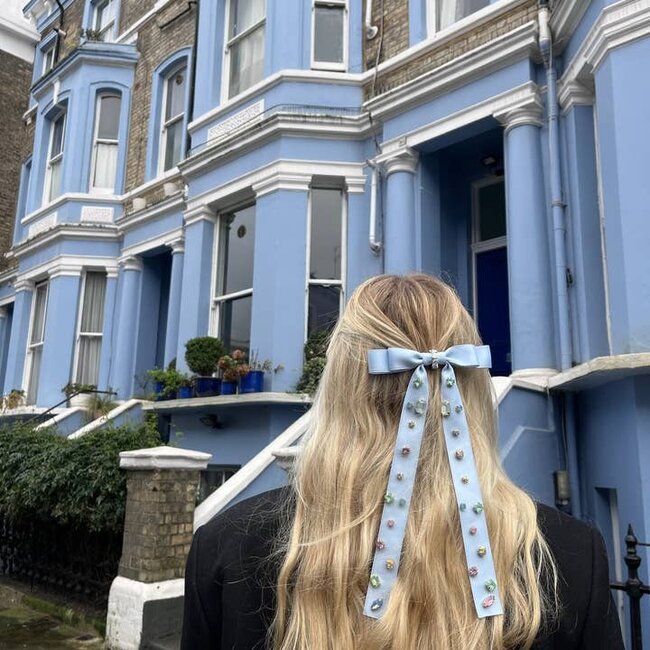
(397, 498)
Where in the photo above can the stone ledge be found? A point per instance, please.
(164, 458)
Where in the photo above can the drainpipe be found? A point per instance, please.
(572, 453)
(59, 32)
(371, 30)
(375, 244)
(557, 203)
(190, 106)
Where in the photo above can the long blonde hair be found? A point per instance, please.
(341, 478)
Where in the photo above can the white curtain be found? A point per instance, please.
(450, 11)
(245, 13)
(90, 330)
(247, 61)
(105, 165)
(55, 179)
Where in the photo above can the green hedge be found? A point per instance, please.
(45, 477)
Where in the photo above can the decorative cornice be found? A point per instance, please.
(576, 93)
(564, 19)
(199, 212)
(66, 265)
(293, 175)
(177, 246)
(517, 97)
(531, 114)
(404, 160)
(517, 44)
(131, 263)
(66, 231)
(617, 25)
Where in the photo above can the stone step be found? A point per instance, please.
(169, 642)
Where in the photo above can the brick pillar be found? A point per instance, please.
(145, 598)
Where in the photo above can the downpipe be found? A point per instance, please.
(373, 241)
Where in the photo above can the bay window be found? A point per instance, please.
(448, 12)
(233, 298)
(105, 143)
(48, 59)
(36, 338)
(245, 44)
(173, 119)
(55, 158)
(90, 329)
(325, 283)
(329, 34)
(104, 14)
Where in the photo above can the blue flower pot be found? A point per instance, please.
(253, 382)
(185, 392)
(228, 387)
(158, 390)
(207, 386)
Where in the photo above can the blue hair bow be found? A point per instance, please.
(397, 500)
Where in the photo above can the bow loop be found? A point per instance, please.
(391, 360)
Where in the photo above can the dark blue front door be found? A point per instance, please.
(492, 306)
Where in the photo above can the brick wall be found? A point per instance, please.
(16, 138)
(158, 524)
(155, 45)
(131, 10)
(72, 21)
(395, 16)
(436, 56)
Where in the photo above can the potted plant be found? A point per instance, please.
(78, 394)
(157, 377)
(233, 367)
(13, 399)
(186, 387)
(165, 382)
(202, 355)
(253, 381)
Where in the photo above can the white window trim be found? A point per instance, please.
(326, 65)
(108, 28)
(432, 18)
(47, 54)
(28, 367)
(98, 101)
(78, 333)
(486, 245)
(165, 123)
(217, 301)
(229, 42)
(58, 158)
(309, 282)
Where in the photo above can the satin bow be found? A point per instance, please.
(397, 499)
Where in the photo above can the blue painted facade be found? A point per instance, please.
(466, 158)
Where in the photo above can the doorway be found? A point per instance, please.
(490, 270)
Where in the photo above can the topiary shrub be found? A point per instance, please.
(202, 355)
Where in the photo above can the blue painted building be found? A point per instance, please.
(237, 167)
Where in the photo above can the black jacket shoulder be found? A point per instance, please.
(233, 564)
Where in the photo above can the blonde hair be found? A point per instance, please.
(341, 478)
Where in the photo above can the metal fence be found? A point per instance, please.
(633, 587)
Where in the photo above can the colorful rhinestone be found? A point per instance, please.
(478, 508)
(490, 585)
(375, 581)
(481, 551)
(460, 454)
(488, 601)
(473, 572)
(390, 564)
(376, 604)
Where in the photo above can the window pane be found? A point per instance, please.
(55, 179)
(323, 309)
(105, 14)
(48, 60)
(237, 251)
(92, 313)
(235, 323)
(173, 144)
(57, 136)
(244, 14)
(34, 374)
(492, 211)
(90, 348)
(175, 94)
(109, 117)
(328, 34)
(38, 326)
(450, 11)
(325, 258)
(247, 62)
(105, 166)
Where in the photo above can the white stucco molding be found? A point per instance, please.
(159, 241)
(577, 93)
(131, 263)
(564, 19)
(518, 97)
(402, 160)
(281, 174)
(164, 458)
(66, 265)
(618, 24)
(520, 43)
(177, 246)
(531, 112)
(199, 212)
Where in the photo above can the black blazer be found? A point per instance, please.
(232, 567)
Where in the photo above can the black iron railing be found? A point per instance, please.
(633, 587)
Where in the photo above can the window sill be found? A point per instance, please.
(208, 404)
